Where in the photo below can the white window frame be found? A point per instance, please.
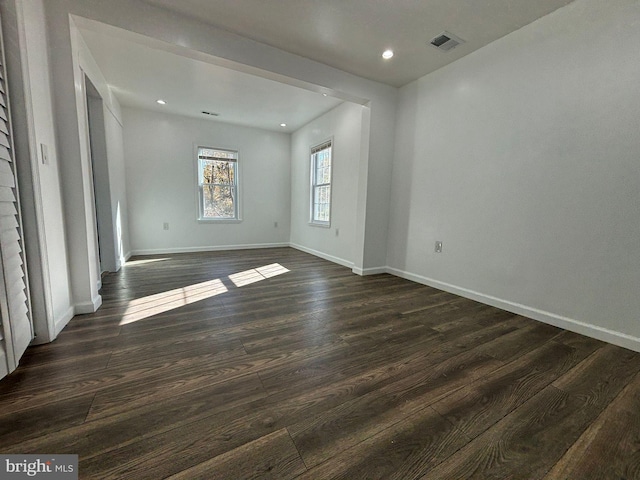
(314, 150)
(200, 185)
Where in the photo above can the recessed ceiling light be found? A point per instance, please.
(283, 124)
(324, 94)
(161, 102)
(387, 54)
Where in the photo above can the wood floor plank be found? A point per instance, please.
(38, 375)
(481, 404)
(273, 456)
(529, 337)
(325, 434)
(614, 436)
(186, 446)
(243, 424)
(97, 437)
(504, 451)
(151, 356)
(93, 382)
(140, 391)
(42, 421)
(533, 437)
(404, 451)
(370, 354)
(601, 375)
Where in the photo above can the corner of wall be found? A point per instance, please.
(88, 307)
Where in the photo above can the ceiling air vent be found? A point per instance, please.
(446, 41)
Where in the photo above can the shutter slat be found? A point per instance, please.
(6, 195)
(16, 299)
(8, 222)
(9, 236)
(5, 167)
(4, 139)
(18, 283)
(13, 263)
(20, 312)
(7, 180)
(17, 293)
(11, 249)
(7, 209)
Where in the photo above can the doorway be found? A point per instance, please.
(98, 153)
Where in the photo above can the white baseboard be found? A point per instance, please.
(162, 251)
(326, 256)
(369, 271)
(589, 330)
(62, 322)
(122, 260)
(88, 307)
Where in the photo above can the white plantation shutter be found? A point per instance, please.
(16, 332)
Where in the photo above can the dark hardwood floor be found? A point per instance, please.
(276, 364)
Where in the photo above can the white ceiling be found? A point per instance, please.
(351, 34)
(346, 34)
(140, 74)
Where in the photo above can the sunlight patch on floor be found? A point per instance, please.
(145, 307)
(144, 261)
(162, 302)
(257, 274)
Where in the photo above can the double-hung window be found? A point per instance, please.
(321, 184)
(217, 184)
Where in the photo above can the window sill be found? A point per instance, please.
(219, 220)
(321, 225)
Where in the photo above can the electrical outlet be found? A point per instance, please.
(165, 226)
(337, 232)
(438, 246)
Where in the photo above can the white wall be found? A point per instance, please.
(71, 60)
(523, 158)
(52, 213)
(184, 35)
(344, 125)
(161, 183)
(43, 216)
